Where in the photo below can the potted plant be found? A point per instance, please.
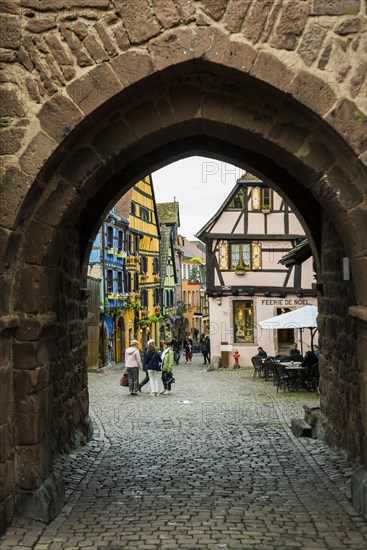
(240, 269)
(265, 209)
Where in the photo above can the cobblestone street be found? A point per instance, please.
(214, 465)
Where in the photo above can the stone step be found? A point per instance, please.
(300, 428)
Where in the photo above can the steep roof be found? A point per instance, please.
(123, 205)
(168, 213)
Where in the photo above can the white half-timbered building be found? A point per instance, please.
(245, 241)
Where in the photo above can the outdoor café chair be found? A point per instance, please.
(281, 376)
(258, 366)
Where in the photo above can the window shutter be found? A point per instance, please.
(256, 255)
(223, 255)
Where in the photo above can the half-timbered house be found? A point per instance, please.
(245, 240)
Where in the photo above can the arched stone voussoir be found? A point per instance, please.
(172, 50)
(95, 88)
(350, 123)
(59, 116)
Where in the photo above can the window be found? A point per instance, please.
(144, 264)
(237, 201)
(144, 298)
(266, 198)
(184, 296)
(156, 266)
(119, 282)
(136, 281)
(120, 241)
(240, 254)
(156, 296)
(172, 298)
(189, 297)
(144, 214)
(128, 282)
(129, 243)
(243, 321)
(136, 244)
(109, 236)
(109, 281)
(133, 209)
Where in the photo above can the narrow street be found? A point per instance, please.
(214, 465)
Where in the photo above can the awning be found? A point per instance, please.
(304, 317)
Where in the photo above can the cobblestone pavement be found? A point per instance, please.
(214, 465)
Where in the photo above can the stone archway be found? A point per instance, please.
(171, 83)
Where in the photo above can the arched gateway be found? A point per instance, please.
(101, 92)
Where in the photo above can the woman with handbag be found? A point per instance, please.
(153, 366)
(167, 366)
(133, 364)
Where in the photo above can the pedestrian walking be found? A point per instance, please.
(146, 378)
(204, 351)
(188, 350)
(167, 366)
(208, 346)
(133, 364)
(176, 345)
(153, 367)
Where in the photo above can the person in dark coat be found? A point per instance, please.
(145, 353)
(204, 350)
(294, 350)
(207, 339)
(261, 353)
(153, 366)
(176, 345)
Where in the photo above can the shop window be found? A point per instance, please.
(243, 321)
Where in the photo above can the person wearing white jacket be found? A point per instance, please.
(132, 365)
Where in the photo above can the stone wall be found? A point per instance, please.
(340, 381)
(94, 88)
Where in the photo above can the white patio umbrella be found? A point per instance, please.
(304, 317)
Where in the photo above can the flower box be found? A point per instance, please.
(110, 251)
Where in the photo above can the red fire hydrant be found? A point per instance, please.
(236, 355)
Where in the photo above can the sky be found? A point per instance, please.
(200, 185)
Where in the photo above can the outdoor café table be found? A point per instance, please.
(295, 372)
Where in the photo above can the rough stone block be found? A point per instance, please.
(235, 13)
(312, 92)
(36, 290)
(214, 8)
(239, 56)
(350, 122)
(138, 20)
(256, 19)
(38, 151)
(97, 87)
(132, 66)
(45, 503)
(80, 166)
(10, 104)
(292, 22)
(30, 415)
(300, 428)
(166, 12)
(336, 7)
(272, 70)
(59, 116)
(45, 5)
(359, 491)
(10, 31)
(36, 327)
(210, 45)
(172, 48)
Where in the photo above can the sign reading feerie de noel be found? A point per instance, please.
(282, 302)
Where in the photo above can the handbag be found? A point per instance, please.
(124, 381)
